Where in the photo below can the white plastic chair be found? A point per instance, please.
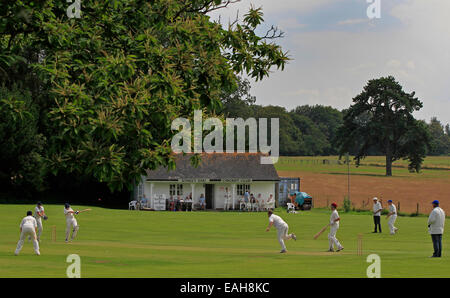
(290, 207)
(132, 204)
(255, 206)
(242, 204)
(248, 206)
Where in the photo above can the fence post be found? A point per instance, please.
(417, 209)
(398, 206)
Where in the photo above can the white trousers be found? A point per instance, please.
(332, 240)
(283, 235)
(391, 223)
(27, 231)
(40, 227)
(71, 225)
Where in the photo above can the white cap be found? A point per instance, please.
(375, 199)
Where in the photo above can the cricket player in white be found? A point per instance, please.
(71, 222)
(28, 227)
(282, 228)
(38, 215)
(334, 226)
(392, 215)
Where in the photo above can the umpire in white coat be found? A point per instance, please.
(436, 222)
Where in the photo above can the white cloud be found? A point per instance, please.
(290, 23)
(411, 42)
(271, 7)
(353, 21)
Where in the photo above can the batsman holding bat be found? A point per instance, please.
(334, 226)
(71, 222)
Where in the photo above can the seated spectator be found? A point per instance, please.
(202, 202)
(180, 203)
(176, 203)
(188, 202)
(252, 199)
(270, 200)
(171, 203)
(246, 195)
(144, 201)
(294, 201)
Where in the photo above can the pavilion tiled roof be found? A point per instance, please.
(216, 167)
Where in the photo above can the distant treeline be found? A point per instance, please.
(311, 130)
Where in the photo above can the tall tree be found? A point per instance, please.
(382, 116)
(110, 83)
(440, 141)
(327, 120)
(22, 165)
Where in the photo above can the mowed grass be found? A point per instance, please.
(122, 243)
(432, 167)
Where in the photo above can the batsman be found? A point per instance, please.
(71, 222)
(334, 226)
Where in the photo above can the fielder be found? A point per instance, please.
(39, 213)
(392, 215)
(71, 222)
(28, 227)
(282, 228)
(334, 226)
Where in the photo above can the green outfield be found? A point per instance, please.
(122, 243)
(432, 167)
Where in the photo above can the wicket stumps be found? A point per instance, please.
(53, 233)
(359, 249)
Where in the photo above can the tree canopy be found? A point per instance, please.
(107, 85)
(382, 117)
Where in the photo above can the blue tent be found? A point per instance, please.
(300, 197)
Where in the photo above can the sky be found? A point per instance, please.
(336, 48)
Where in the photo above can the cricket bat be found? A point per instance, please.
(89, 209)
(320, 232)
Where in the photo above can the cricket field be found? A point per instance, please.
(122, 243)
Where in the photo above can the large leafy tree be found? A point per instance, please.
(22, 164)
(440, 141)
(382, 116)
(327, 120)
(110, 83)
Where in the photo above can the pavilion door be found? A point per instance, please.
(209, 195)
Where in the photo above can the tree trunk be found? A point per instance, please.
(388, 159)
(388, 165)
